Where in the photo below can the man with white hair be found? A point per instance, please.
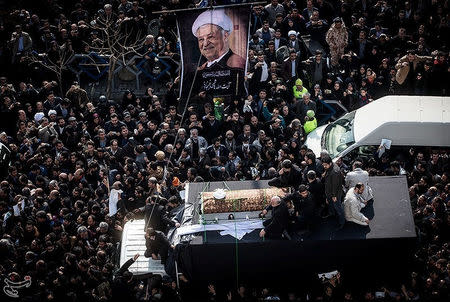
(212, 28)
(304, 105)
(195, 143)
(4, 138)
(278, 223)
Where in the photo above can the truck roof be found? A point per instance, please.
(406, 120)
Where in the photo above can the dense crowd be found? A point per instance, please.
(69, 152)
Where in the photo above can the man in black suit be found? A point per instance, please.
(334, 181)
(317, 68)
(155, 215)
(290, 70)
(304, 207)
(278, 223)
(217, 149)
(157, 244)
(115, 150)
(278, 40)
(362, 47)
(246, 134)
(260, 73)
(211, 126)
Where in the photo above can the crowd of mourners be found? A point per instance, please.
(70, 151)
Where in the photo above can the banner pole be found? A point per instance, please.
(237, 83)
(209, 7)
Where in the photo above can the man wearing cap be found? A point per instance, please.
(131, 123)
(150, 149)
(212, 29)
(288, 176)
(310, 122)
(293, 42)
(220, 71)
(298, 90)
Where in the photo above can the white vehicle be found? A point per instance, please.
(407, 121)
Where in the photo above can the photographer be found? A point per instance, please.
(260, 74)
(274, 115)
(316, 67)
(350, 97)
(20, 44)
(46, 130)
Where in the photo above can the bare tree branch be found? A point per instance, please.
(119, 41)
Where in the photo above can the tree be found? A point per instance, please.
(116, 40)
(55, 60)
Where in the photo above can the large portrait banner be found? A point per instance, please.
(214, 45)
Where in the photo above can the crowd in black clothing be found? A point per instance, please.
(68, 151)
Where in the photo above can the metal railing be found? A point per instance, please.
(94, 67)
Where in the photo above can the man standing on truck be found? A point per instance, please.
(334, 193)
(358, 175)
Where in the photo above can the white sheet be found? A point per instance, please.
(237, 229)
(113, 200)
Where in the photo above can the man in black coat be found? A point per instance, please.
(157, 244)
(278, 223)
(124, 283)
(334, 193)
(362, 46)
(312, 164)
(289, 176)
(217, 149)
(304, 207)
(155, 214)
(316, 188)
